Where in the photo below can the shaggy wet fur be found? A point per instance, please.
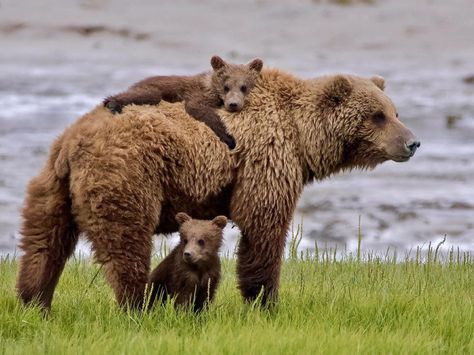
(228, 85)
(121, 181)
(192, 271)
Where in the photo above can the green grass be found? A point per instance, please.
(361, 304)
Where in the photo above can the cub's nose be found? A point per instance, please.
(233, 106)
(412, 145)
(187, 254)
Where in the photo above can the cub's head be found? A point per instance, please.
(200, 239)
(233, 82)
(365, 121)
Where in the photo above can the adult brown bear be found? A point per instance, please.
(121, 178)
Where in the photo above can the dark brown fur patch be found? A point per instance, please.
(191, 272)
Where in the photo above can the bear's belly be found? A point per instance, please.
(209, 208)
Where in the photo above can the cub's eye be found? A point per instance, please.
(201, 242)
(397, 114)
(226, 88)
(243, 88)
(379, 117)
(185, 241)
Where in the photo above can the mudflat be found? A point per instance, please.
(60, 58)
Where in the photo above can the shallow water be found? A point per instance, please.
(401, 204)
(48, 79)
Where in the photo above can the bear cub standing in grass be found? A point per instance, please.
(228, 85)
(191, 272)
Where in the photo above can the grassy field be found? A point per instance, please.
(365, 305)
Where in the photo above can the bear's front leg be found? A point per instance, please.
(259, 263)
(262, 205)
(136, 96)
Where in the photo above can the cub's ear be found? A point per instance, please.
(338, 89)
(256, 64)
(217, 62)
(220, 221)
(182, 217)
(379, 81)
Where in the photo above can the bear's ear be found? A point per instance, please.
(256, 64)
(217, 62)
(182, 217)
(220, 221)
(379, 81)
(338, 89)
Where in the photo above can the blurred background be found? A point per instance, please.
(59, 58)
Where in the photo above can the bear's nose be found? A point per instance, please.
(412, 145)
(233, 106)
(187, 254)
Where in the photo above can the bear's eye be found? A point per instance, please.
(201, 242)
(185, 241)
(396, 114)
(226, 88)
(243, 88)
(379, 117)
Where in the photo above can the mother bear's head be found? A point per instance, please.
(355, 125)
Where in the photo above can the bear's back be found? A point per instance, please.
(162, 141)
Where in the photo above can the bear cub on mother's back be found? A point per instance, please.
(191, 272)
(226, 85)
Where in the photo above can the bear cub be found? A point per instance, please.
(191, 272)
(226, 85)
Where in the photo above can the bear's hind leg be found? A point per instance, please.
(125, 252)
(49, 237)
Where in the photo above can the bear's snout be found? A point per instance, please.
(233, 106)
(412, 145)
(187, 256)
(400, 144)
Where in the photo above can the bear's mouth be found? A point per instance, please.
(403, 155)
(188, 259)
(401, 158)
(232, 109)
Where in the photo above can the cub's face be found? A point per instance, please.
(200, 239)
(232, 83)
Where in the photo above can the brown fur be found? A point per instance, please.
(51, 233)
(228, 84)
(126, 179)
(192, 271)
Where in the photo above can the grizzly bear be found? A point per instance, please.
(192, 271)
(124, 180)
(227, 85)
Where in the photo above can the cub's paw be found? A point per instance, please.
(229, 140)
(113, 105)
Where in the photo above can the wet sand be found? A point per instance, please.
(60, 58)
